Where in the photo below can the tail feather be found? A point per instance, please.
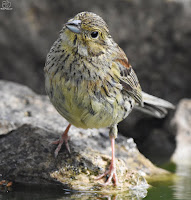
(155, 106)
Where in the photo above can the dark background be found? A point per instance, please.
(155, 34)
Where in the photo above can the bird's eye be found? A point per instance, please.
(94, 34)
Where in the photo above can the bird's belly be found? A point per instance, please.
(78, 104)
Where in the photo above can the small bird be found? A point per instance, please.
(91, 84)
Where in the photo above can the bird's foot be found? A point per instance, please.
(112, 175)
(64, 139)
(60, 142)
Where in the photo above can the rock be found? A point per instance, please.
(29, 124)
(154, 137)
(182, 123)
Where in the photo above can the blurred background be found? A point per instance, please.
(155, 35)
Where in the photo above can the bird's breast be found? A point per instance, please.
(87, 95)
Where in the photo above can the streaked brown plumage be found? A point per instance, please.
(91, 83)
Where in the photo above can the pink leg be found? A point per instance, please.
(63, 139)
(112, 169)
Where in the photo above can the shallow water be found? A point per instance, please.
(177, 189)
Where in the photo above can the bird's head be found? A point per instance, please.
(88, 33)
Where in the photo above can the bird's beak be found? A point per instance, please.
(74, 26)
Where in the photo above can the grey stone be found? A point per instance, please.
(29, 124)
(182, 126)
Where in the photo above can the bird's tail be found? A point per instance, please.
(154, 106)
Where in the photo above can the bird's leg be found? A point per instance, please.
(63, 139)
(112, 168)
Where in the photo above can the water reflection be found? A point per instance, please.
(176, 189)
(182, 185)
(33, 192)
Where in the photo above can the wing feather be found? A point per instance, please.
(128, 79)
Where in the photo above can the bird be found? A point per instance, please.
(91, 83)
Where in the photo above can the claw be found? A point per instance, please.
(112, 175)
(64, 139)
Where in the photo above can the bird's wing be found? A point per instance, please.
(128, 78)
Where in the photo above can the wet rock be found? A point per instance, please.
(29, 124)
(182, 123)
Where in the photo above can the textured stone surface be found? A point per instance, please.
(29, 124)
(182, 125)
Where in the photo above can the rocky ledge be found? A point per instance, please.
(28, 125)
